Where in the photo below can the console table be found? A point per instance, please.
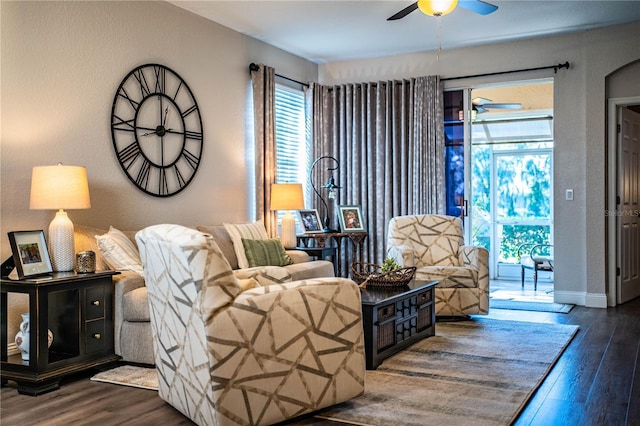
(396, 317)
(78, 309)
(321, 239)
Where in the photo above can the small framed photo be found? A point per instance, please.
(351, 219)
(30, 253)
(310, 220)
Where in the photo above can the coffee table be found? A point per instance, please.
(396, 317)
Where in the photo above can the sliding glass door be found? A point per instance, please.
(499, 178)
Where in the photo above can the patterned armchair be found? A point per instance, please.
(225, 355)
(434, 244)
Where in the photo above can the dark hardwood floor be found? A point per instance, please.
(595, 382)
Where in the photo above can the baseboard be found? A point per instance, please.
(596, 300)
(569, 297)
(579, 298)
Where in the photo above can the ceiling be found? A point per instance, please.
(327, 31)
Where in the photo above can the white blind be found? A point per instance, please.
(292, 150)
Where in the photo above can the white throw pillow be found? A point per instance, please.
(250, 231)
(119, 252)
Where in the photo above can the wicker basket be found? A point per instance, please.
(369, 274)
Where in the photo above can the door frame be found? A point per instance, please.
(612, 189)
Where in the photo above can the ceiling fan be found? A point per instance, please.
(484, 105)
(443, 7)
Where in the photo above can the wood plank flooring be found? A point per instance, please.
(595, 382)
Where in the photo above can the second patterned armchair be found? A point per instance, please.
(230, 351)
(434, 244)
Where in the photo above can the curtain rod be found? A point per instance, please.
(554, 67)
(256, 67)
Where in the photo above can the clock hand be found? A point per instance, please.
(166, 111)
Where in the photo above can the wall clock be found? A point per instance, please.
(156, 130)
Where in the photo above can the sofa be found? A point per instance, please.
(231, 355)
(132, 328)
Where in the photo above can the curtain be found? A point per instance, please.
(389, 140)
(263, 85)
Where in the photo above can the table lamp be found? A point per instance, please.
(287, 196)
(57, 188)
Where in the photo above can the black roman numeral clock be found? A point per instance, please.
(156, 130)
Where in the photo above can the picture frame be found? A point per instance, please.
(30, 253)
(310, 220)
(350, 218)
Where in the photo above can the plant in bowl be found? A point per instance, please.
(389, 265)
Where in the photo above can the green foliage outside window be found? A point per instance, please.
(522, 194)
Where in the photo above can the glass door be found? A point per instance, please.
(499, 163)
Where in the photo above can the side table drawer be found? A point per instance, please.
(95, 339)
(95, 303)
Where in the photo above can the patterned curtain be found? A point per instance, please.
(263, 85)
(389, 140)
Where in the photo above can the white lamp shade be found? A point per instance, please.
(286, 196)
(437, 7)
(59, 187)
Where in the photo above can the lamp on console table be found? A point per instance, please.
(330, 186)
(287, 197)
(57, 188)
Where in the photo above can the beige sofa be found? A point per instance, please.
(132, 327)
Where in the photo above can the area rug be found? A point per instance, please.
(516, 305)
(478, 372)
(129, 375)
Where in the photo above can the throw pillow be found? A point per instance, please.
(119, 252)
(265, 252)
(251, 231)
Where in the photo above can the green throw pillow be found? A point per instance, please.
(268, 252)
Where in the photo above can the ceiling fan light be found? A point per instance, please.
(437, 7)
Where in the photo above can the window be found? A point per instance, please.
(292, 137)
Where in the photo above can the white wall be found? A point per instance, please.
(61, 65)
(580, 132)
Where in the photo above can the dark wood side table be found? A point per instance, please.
(321, 239)
(78, 309)
(396, 317)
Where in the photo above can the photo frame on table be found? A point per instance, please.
(310, 220)
(351, 219)
(30, 253)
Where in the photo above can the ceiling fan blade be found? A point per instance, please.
(404, 12)
(480, 109)
(503, 106)
(478, 6)
(480, 101)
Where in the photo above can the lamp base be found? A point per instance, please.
(288, 230)
(61, 247)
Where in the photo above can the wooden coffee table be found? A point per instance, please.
(396, 317)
